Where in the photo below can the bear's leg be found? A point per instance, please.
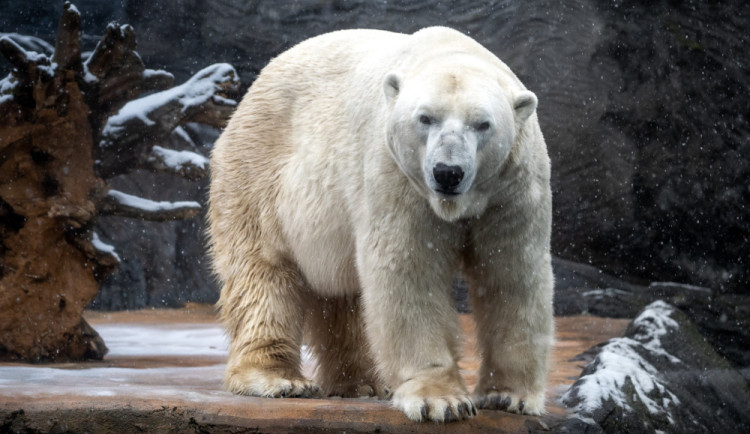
(262, 311)
(411, 324)
(512, 304)
(336, 336)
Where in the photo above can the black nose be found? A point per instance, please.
(448, 177)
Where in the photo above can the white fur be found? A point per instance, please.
(326, 210)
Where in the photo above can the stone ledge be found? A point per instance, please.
(182, 393)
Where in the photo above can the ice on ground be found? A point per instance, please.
(128, 340)
(154, 340)
(175, 340)
(620, 361)
(194, 383)
(148, 205)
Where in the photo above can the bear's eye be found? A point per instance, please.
(425, 120)
(484, 126)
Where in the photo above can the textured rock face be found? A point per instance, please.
(661, 376)
(723, 319)
(643, 105)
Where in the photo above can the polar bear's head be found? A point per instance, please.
(452, 126)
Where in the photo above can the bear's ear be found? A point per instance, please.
(391, 86)
(524, 104)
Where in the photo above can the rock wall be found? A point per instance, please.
(643, 104)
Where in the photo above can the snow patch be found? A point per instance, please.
(7, 85)
(600, 293)
(148, 73)
(31, 43)
(104, 247)
(196, 384)
(652, 324)
(43, 62)
(178, 159)
(184, 136)
(203, 383)
(620, 362)
(72, 8)
(88, 77)
(220, 100)
(197, 90)
(155, 340)
(148, 205)
(48, 69)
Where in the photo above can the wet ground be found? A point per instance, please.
(164, 373)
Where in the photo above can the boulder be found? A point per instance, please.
(723, 319)
(661, 376)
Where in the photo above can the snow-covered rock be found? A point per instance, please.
(661, 376)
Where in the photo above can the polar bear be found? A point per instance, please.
(363, 169)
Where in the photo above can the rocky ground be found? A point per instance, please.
(164, 372)
(673, 368)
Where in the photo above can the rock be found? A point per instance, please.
(643, 106)
(661, 376)
(724, 319)
(584, 289)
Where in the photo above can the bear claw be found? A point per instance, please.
(531, 405)
(443, 409)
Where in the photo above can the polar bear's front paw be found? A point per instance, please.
(271, 384)
(532, 404)
(435, 402)
(359, 390)
(439, 409)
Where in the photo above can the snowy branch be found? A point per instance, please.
(30, 43)
(100, 255)
(103, 247)
(116, 72)
(26, 64)
(31, 71)
(190, 165)
(117, 203)
(129, 135)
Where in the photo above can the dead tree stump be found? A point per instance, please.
(66, 125)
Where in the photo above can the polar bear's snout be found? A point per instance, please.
(447, 177)
(450, 164)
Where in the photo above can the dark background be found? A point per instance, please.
(644, 106)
